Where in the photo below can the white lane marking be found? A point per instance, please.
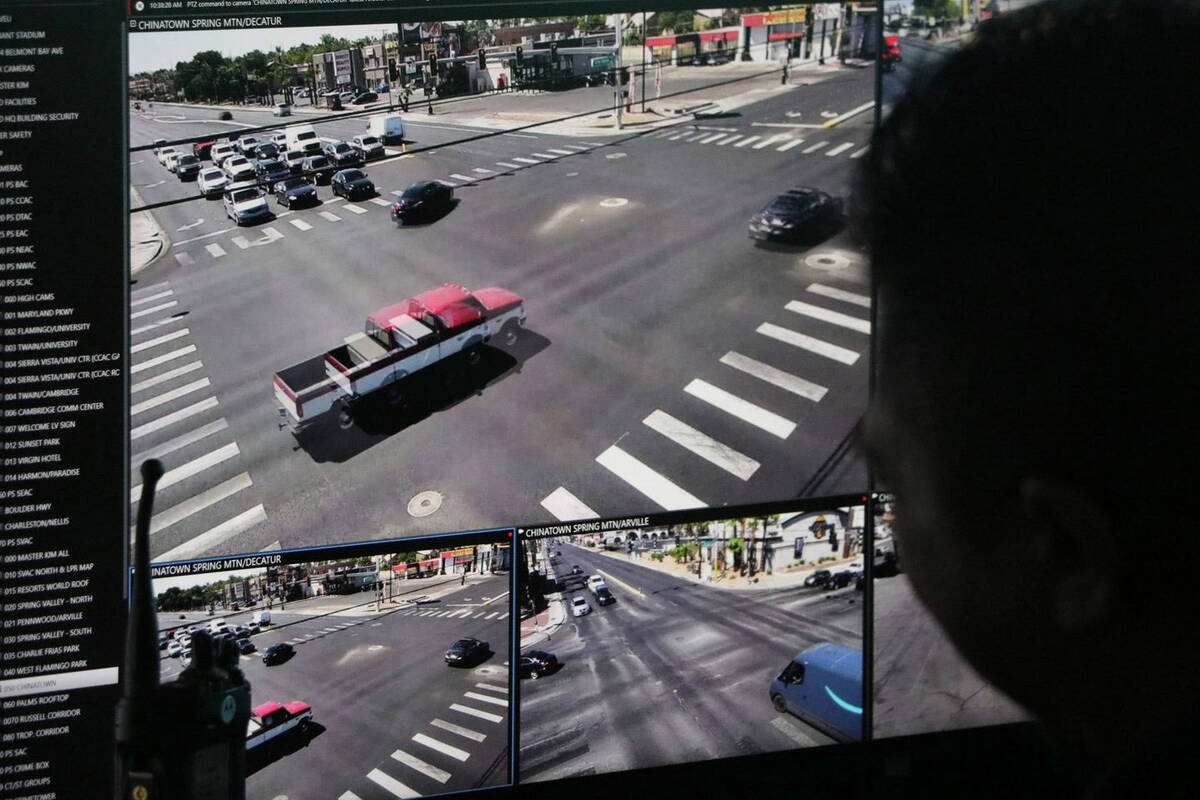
(702, 444)
(329, 216)
(858, 153)
(466, 733)
(521, 135)
(165, 357)
(172, 418)
(475, 712)
(575, 147)
(394, 786)
(808, 343)
(526, 160)
(658, 488)
(814, 148)
(477, 616)
(487, 698)
(408, 760)
(506, 165)
(680, 136)
(181, 441)
(712, 138)
(776, 377)
(839, 294)
(697, 136)
(767, 142)
(171, 320)
(241, 241)
(463, 178)
(826, 315)
(445, 182)
(202, 236)
(789, 145)
(141, 386)
(215, 250)
(145, 312)
(729, 139)
(504, 615)
(792, 732)
(141, 291)
(483, 171)
(166, 397)
(593, 144)
(379, 201)
(300, 224)
(491, 687)
(346, 795)
(216, 536)
(184, 259)
(560, 152)
(193, 467)
(543, 155)
(489, 616)
(841, 148)
(397, 192)
(456, 753)
(192, 505)
(141, 301)
(747, 141)
(354, 209)
(566, 506)
(730, 403)
(155, 342)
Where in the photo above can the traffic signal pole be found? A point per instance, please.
(617, 74)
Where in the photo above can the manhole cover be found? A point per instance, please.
(613, 202)
(487, 671)
(827, 260)
(425, 503)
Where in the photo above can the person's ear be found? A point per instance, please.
(1073, 544)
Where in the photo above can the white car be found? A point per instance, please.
(222, 151)
(593, 580)
(246, 144)
(174, 649)
(280, 139)
(212, 182)
(369, 146)
(253, 626)
(246, 205)
(238, 168)
(162, 153)
(579, 606)
(295, 160)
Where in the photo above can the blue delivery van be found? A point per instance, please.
(823, 686)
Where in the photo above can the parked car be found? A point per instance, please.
(579, 606)
(576, 570)
(352, 184)
(246, 205)
(797, 214)
(295, 191)
(533, 664)
(278, 653)
(422, 200)
(465, 651)
(363, 97)
(319, 169)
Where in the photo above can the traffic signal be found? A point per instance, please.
(433, 66)
(553, 51)
(520, 56)
(482, 59)
(392, 75)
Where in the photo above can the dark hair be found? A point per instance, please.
(1031, 210)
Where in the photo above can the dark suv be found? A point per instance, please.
(536, 663)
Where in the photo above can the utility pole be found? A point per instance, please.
(620, 86)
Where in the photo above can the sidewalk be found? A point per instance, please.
(539, 627)
(147, 239)
(763, 581)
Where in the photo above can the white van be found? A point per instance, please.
(263, 618)
(218, 626)
(303, 138)
(387, 128)
(595, 580)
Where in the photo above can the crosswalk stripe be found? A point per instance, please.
(712, 138)
(747, 141)
(814, 148)
(300, 224)
(241, 241)
(808, 343)
(142, 291)
(394, 786)
(396, 192)
(164, 358)
(561, 152)
(145, 312)
(329, 216)
(789, 145)
(489, 616)
(197, 503)
(346, 795)
(353, 209)
(166, 397)
(839, 294)
(566, 506)
(543, 155)
(487, 698)
(767, 142)
(171, 320)
(826, 315)
(463, 178)
(506, 165)
(730, 403)
(526, 160)
(444, 182)
(379, 201)
(504, 615)
(491, 687)
(475, 712)
(776, 377)
(184, 259)
(141, 386)
(215, 250)
(408, 760)
(858, 153)
(789, 730)
(172, 418)
(483, 171)
(678, 136)
(729, 139)
(456, 753)
(697, 136)
(841, 148)
(593, 144)
(575, 147)
(702, 444)
(655, 486)
(216, 536)
(193, 467)
(155, 342)
(181, 441)
(141, 301)
(466, 733)
(477, 616)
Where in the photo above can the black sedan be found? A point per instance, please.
(267, 150)
(797, 214)
(319, 169)
(245, 646)
(364, 97)
(294, 192)
(270, 170)
(278, 653)
(422, 199)
(818, 578)
(466, 650)
(352, 184)
(536, 663)
(839, 580)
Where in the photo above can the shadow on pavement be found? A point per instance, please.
(272, 750)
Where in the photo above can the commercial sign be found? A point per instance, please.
(341, 62)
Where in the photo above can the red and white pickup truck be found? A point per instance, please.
(271, 720)
(399, 340)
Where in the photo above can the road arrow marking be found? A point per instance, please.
(793, 114)
(195, 224)
(828, 114)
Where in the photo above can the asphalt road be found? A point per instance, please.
(673, 672)
(386, 706)
(669, 361)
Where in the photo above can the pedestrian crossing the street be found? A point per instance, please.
(205, 498)
(720, 417)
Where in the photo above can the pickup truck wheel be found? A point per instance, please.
(510, 335)
(345, 419)
(473, 356)
(393, 395)
(779, 703)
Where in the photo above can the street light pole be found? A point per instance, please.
(617, 94)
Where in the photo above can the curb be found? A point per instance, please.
(854, 112)
(725, 587)
(156, 239)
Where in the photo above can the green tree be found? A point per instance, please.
(675, 21)
(939, 9)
